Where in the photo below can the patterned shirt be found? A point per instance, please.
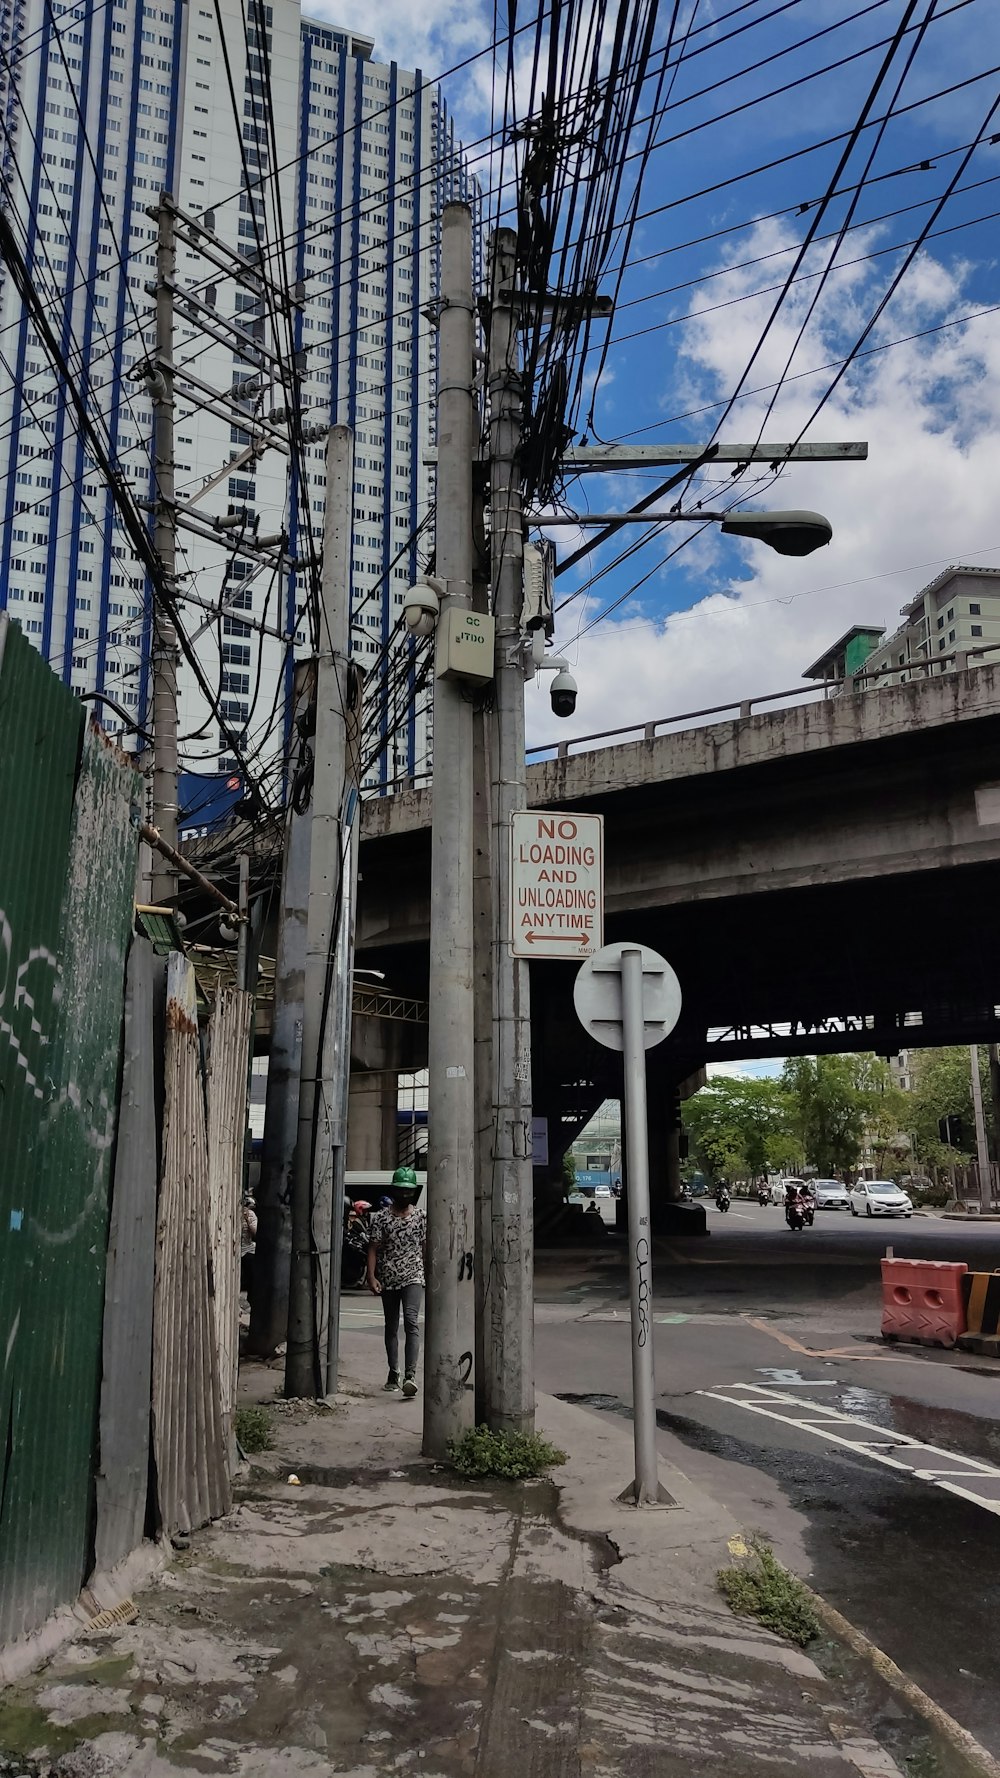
(399, 1244)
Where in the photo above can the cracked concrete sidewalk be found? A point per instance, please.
(386, 1616)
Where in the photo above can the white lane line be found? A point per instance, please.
(773, 1404)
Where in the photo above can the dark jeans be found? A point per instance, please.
(409, 1299)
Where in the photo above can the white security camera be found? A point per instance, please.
(422, 607)
(563, 693)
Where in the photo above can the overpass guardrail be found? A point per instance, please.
(744, 708)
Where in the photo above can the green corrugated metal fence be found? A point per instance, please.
(67, 865)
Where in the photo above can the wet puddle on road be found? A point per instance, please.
(964, 1435)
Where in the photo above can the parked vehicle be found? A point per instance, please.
(722, 1198)
(879, 1197)
(829, 1194)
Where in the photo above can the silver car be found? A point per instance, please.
(831, 1195)
(879, 1197)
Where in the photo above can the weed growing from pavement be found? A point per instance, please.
(253, 1430)
(513, 1456)
(760, 1587)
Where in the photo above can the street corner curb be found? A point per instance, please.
(979, 1761)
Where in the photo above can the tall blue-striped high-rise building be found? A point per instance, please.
(300, 151)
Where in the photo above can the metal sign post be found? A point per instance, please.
(629, 999)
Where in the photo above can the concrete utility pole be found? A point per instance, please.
(269, 1304)
(164, 663)
(449, 1359)
(982, 1151)
(340, 995)
(508, 1385)
(313, 1172)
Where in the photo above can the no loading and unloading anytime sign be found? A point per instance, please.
(557, 884)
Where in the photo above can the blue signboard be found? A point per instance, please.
(206, 800)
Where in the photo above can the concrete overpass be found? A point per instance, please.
(822, 877)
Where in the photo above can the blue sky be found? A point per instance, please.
(723, 620)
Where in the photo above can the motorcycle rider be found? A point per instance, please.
(794, 1204)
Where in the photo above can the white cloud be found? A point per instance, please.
(930, 411)
(432, 36)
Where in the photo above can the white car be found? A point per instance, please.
(831, 1195)
(879, 1197)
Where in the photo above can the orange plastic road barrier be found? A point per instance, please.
(923, 1301)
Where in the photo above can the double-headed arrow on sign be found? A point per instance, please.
(583, 939)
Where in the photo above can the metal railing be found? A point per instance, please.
(745, 707)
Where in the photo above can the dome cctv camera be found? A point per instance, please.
(563, 694)
(422, 608)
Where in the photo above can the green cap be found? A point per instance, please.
(404, 1176)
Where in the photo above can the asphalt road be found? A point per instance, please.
(875, 1471)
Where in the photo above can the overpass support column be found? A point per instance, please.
(372, 1139)
(664, 1135)
(668, 1214)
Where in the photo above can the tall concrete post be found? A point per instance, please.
(164, 652)
(982, 1151)
(484, 917)
(272, 1259)
(508, 1391)
(995, 1096)
(319, 1093)
(449, 1359)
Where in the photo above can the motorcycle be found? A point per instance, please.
(722, 1199)
(795, 1213)
(763, 1195)
(808, 1210)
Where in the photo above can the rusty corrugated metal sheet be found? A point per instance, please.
(66, 881)
(192, 1472)
(228, 1080)
(123, 1476)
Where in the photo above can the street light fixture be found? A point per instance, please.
(795, 533)
(790, 533)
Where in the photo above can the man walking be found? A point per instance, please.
(396, 1274)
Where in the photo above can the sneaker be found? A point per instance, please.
(391, 1382)
(409, 1385)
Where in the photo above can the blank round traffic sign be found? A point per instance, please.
(597, 996)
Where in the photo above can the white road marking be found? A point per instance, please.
(824, 1421)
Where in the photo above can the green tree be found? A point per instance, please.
(739, 1128)
(885, 1110)
(841, 1104)
(943, 1089)
(828, 1115)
